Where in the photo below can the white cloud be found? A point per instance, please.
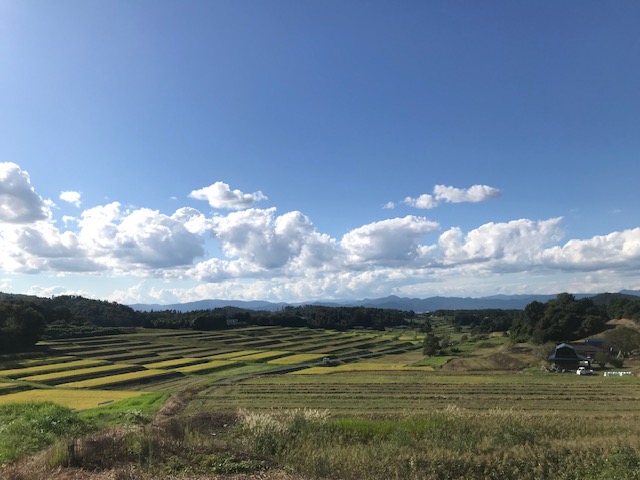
(219, 195)
(388, 242)
(425, 201)
(258, 254)
(260, 238)
(143, 238)
(518, 243)
(389, 206)
(476, 193)
(71, 197)
(443, 193)
(619, 250)
(19, 203)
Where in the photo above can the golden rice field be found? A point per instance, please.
(41, 369)
(265, 355)
(118, 379)
(207, 367)
(58, 377)
(228, 355)
(178, 362)
(76, 399)
(296, 359)
(46, 360)
(167, 359)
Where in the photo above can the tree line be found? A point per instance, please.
(312, 316)
(25, 319)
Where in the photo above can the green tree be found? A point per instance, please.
(21, 326)
(624, 339)
(431, 345)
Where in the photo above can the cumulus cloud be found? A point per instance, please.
(388, 242)
(219, 195)
(443, 193)
(423, 201)
(474, 194)
(71, 197)
(518, 243)
(261, 238)
(142, 238)
(258, 253)
(19, 203)
(616, 250)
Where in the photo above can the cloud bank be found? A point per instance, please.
(263, 254)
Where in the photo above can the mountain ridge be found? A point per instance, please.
(419, 305)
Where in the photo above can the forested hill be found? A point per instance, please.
(26, 319)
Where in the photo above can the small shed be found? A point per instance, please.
(566, 358)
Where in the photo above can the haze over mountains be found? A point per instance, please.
(401, 303)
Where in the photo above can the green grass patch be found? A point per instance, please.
(434, 361)
(28, 427)
(136, 409)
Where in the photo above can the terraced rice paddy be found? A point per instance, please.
(297, 359)
(264, 356)
(207, 366)
(150, 359)
(120, 379)
(54, 367)
(61, 377)
(78, 400)
(178, 362)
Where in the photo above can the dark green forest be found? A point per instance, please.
(562, 319)
(24, 320)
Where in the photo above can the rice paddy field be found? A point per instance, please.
(168, 361)
(352, 405)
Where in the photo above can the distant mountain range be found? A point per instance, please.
(506, 302)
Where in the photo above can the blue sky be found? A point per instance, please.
(162, 151)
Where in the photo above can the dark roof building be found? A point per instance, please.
(566, 358)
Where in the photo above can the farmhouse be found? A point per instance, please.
(566, 358)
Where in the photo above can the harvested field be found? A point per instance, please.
(411, 392)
